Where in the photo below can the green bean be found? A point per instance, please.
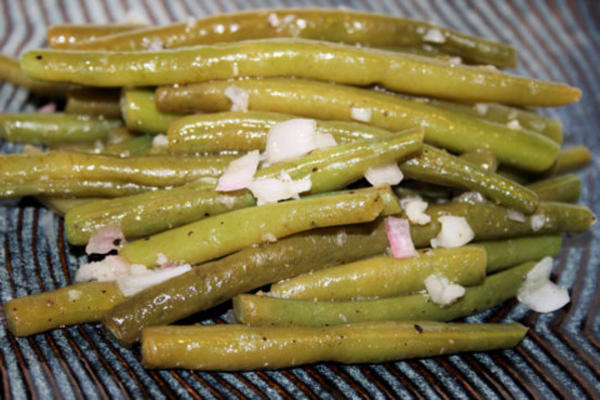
(93, 102)
(243, 131)
(328, 169)
(346, 26)
(484, 158)
(61, 205)
(72, 188)
(74, 304)
(223, 234)
(212, 283)
(503, 114)
(566, 188)
(66, 36)
(319, 60)
(438, 167)
(264, 310)
(140, 113)
(10, 71)
(502, 254)
(443, 128)
(37, 128)
(28, 174)
(237, 347)
(430, 193)
(133, 146)
(386, 276)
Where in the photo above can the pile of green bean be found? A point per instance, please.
(149, 126)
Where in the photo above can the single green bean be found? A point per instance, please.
(565, 188)
(311, 59)
(94, 102)
(66, 36)
(212, 283)
(328, 169)
(346, 26)
(237, 347)
(385, 276)
(264, 310)
(72, 188)
(502, 254)
(503, 114)
(74, 304)
(37, 128)
(140, 113)
(484, 158)
(452, 130)
(223, 234)
(24, 174)
(133, 146)
(61, 205)
(10, 71)
(438, 167)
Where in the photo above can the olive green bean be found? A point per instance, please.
(10, 71)
(452, 130)
(133, 146)
(386, 276)
(223, 234)
(74, 304)
(311, 59)
(140, 113)
(346, 26)
(566, 188)
(502, 254)
(94, 102)
(55, 128)
(66, 36)
(484, 158)
(503, 114)
(73, 188)
(25, 174)
(212, 283)
(438, 167)
(264, 310)
(328, 169)
(61, 205)
(236, 347)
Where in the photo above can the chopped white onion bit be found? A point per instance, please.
(537, 222)
(481, 108)
(514, 125)
(239, 172)
(290, 139)
(415, 211)
(361, 114)
(539, 293)
(105, 239)
(398, 234)
(441, 291)
(515, 215)
(470, 197)
(455, 232)
(160, 141)
(434, 36)
(324, 140)
(271, 190)
(238, 96)
(141, 277)
(109, 269)
(388, 174)
(47, 108)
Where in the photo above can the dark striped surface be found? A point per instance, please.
(560, 358)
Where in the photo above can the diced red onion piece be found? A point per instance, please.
(105, 239)
(47, 108)
(239, 173)
(398, 233)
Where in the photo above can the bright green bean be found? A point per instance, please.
(311, 59)
(237, 347)
(452, 130)
(264, 310)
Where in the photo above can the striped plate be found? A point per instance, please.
(560, 358)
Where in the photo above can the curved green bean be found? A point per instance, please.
(452, 130)
(385, 276)
(311, 59)
(55, 128)
(10, 71)
(70, 305)
(236, 347)
(346, 26)
(223, 234)
(264, 310)
(140, 113)
(67, 36)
